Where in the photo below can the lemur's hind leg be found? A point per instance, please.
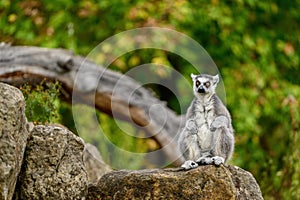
(223, 141)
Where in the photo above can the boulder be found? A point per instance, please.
(94, 164)
(53, 165)
(204, 182)
(13, 137)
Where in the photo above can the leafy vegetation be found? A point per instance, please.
(254, 43)
(42, 102)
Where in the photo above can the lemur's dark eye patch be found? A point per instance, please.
(197, 83)
(207, 84)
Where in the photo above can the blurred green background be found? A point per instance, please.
(254, 43)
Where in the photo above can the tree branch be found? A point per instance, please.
(93, 85)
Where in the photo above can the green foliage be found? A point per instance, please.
(254, 43)
(42, 102)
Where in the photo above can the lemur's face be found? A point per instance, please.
(204, 84)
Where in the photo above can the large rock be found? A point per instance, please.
(53, 166)
(13, 137)
(94, 164)
(204, 182)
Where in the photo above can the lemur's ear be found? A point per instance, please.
(193, 76)
(216, 79)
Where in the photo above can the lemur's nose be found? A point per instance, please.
(201, 89)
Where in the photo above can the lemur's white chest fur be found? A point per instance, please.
(204, 116)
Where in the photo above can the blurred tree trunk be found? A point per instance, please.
(84, 81)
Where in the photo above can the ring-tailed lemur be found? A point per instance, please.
(207, 137)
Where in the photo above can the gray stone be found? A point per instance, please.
(13, 137)
(204, 182)
(53, 165)
(245, 183)
(94, 164)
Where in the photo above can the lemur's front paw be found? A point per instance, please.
(220, 121)
(217, 160)
(189, 164)
(205, 161)
(192, 126)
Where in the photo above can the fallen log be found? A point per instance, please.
(86, 82)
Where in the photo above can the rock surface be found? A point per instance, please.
(245, 184)
(94, 164)
(53, 165)
(13, 137)
(204, 182)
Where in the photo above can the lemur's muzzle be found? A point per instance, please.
(201, 89)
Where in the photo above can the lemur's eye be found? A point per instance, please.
(207, 84)
(197, 83)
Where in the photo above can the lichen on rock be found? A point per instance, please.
(13, 137)
(204, 182)
(53, 165)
